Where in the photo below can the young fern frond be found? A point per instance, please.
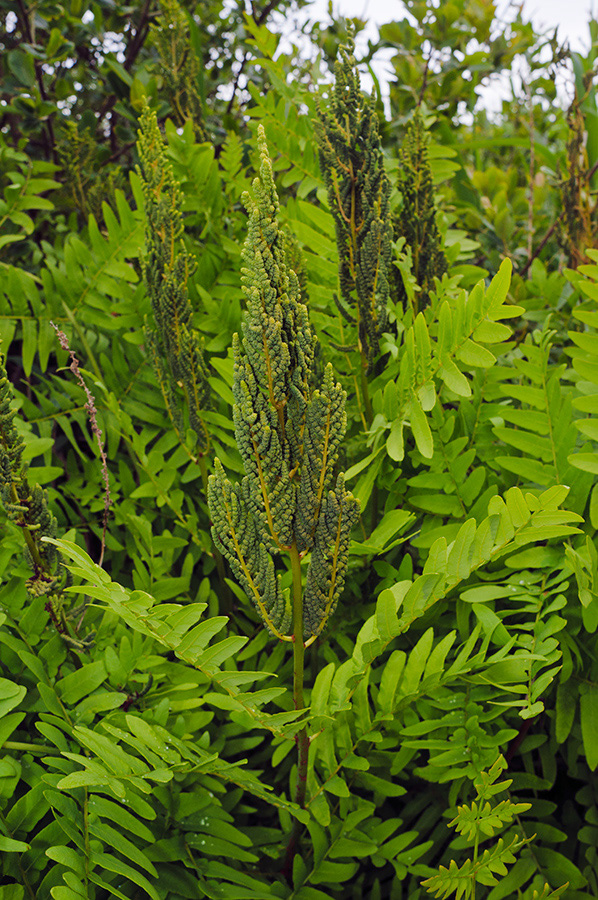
(167, 269)
(352, 165)
(288, 437)
(477, 822)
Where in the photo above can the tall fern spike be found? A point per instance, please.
(577, 227)
(179, 66)
(173, 344)
(26, 506)
(477, 823)
(352, 166)
(288, 435)
(416, 222)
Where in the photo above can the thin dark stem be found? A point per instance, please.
(39, 76)
(424, 79)
(302, 739)
(138, 38)
(259, 19)
(132, 51)
(522, 272)
(92, 413)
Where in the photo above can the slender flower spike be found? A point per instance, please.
(288, 436)
(352, 166)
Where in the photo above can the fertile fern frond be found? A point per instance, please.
(179, 66)
(167, 269)
(273, 364)
(328, 564)
(417, 220)
(324, 429)
(26, 506)
(237, 534)
(288, 437)
(358, 193)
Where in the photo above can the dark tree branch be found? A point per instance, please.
(39, 76)
(551, 230)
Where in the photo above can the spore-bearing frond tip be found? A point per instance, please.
(288, 436)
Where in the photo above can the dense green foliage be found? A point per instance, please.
(228, 276)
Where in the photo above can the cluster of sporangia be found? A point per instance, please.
(167, 269)
(26, 506)
(417, 220)
(288, 435)
(352, 166)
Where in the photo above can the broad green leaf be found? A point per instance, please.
(9, 845)
(588, 701)
(421, 429)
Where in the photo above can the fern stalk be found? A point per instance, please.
(298, 673)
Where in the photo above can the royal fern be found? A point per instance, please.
(416, 223)
(173, 342)
(359, 197)
(288, 437)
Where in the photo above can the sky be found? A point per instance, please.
(571, 17)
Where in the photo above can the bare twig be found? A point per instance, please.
(29, 35)
(532, 163)
(522, 272)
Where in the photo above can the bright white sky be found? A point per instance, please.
(571, 17)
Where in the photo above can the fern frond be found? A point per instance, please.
(457, 879)
(179, 66)
(358, 194)
(167, 269)
(328, 565)
(416, 223)
(325, 425)
(26, 506)
(238, 537)
(288, 436)
(429, 360)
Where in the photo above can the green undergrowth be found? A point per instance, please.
(298, 458)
